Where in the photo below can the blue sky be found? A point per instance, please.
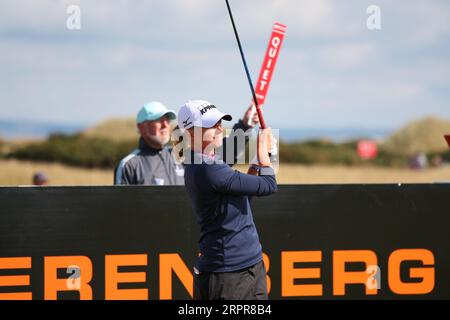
(332, 71)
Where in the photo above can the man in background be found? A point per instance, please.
(40, 179)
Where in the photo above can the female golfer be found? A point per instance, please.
(229, 264)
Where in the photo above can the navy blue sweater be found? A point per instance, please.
(220, 198)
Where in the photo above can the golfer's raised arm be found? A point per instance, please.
(223, 179)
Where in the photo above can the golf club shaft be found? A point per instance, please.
(255, 100)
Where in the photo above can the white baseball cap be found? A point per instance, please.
(200, 113)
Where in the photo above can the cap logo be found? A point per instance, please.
(208, 107)
(187, 122)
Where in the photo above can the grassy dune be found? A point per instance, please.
(14, 172)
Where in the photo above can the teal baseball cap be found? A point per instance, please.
(153, 111)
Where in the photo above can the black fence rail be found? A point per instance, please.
(320, 241)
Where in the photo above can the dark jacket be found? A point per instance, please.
(149, 166)
(220, 196)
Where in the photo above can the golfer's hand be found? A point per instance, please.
(263, 147)
(251, 118)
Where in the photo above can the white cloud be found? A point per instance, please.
(389, 91)
(414, 23)
(429, 21)
(347, 55)
(159, 19)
